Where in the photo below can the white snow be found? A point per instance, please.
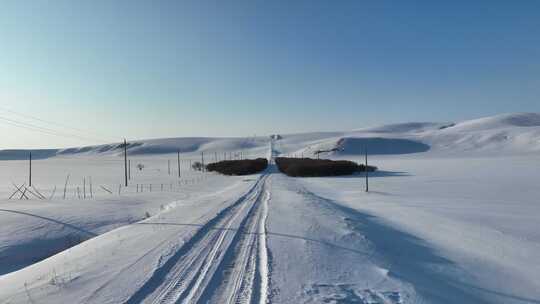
(451, 217)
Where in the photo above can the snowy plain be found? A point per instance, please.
(452, 216)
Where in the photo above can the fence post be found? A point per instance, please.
(367, 174)
(91, 191)
(178, 155)
(30, 170)
(65, 186)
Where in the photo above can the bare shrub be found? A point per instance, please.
(307, 167)
(239, 167)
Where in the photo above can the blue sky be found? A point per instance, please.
(142, 69)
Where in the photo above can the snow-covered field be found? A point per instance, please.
(452, 216)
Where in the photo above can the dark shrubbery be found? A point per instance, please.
(197, 166)
(300, 167)
(239, 167)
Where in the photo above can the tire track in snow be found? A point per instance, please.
(244, 273)
(145, 258)
(185, 276)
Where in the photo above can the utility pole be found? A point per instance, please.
(129, 169)
(125, 163)
(202, 161)
(367, 182)
(178, 163)
(30, 171)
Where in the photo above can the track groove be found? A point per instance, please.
(189, 275)
(243, 276)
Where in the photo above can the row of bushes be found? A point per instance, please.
(300, 167)
(239, 167)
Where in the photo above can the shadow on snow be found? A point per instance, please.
(413, 261)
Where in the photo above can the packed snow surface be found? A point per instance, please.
(452, 216)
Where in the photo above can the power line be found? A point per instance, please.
(48, 131)
(79, 130)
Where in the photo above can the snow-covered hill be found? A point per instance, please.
(506, 134)
(517, 133)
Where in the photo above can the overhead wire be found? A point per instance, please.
(79, 132)
(44, 130)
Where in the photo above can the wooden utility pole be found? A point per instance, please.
(129, 169)
(202, 161)
(367, 174)
(178, 160)
(30, 171)
(125, 163)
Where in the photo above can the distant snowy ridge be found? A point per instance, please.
(500, 121)
(514, 133)
(410, 127)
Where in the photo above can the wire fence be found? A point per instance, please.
(94, 176)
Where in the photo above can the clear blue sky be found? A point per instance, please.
(141, 69)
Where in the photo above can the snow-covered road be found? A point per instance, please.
(221, 261)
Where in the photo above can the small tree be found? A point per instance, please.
(197, 166)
